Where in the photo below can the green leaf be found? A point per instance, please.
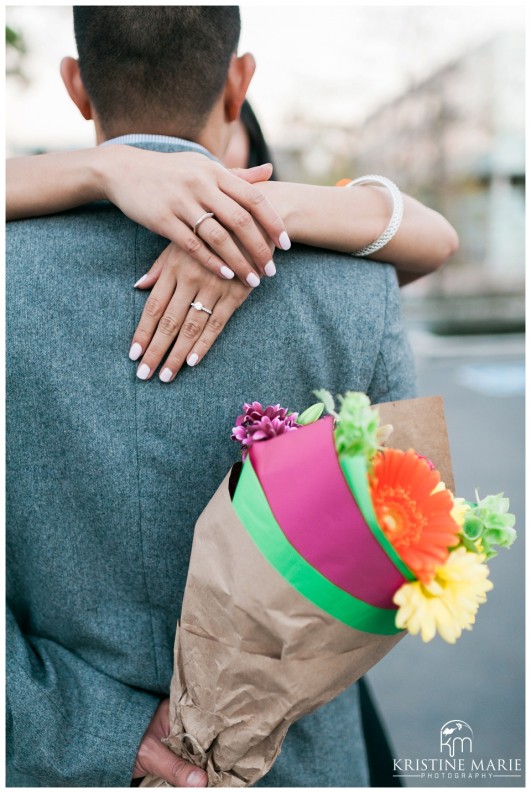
(311, 414)
(328, 400)
(357, 429)
(468, 544)
(15, 40)
(490, 553)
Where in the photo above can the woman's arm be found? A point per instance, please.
(157, 190)
(166, 193)
(47, 183)
(347, 219)
(162, 192)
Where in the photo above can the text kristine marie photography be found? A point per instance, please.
(457, 760)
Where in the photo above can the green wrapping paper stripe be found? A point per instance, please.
(355, 471)
(253, 510)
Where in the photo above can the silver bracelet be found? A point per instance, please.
(396, 216)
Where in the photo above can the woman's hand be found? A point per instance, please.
(169, 193)
(168, 318)
(166, 193)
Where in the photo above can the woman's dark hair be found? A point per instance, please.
(259, 151)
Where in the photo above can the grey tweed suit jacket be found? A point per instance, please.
(107, 476)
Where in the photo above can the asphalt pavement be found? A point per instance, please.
(477, 683)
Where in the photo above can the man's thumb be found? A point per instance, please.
(177, 771)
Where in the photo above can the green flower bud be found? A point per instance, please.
(490, 522)
(311, 414)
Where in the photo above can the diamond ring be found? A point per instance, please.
(200, 307)
(198, 222)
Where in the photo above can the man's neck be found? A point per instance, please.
(213, 137)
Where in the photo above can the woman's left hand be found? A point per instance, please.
(170, 193)
(168, 318)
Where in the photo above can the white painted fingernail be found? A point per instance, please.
(226, 272)
(270, 268)
(143, 371)
(166, 375)
(253, 280)
(285, 242)
(135, 352)
(192, 359)
(141, 279)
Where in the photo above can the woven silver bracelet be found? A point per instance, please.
(396, 216)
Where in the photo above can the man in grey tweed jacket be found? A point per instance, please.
(107, 475)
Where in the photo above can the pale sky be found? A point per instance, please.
(331, 62)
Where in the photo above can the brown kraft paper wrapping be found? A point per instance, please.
(420, 424)
(251, 654)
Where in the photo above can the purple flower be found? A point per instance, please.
(259, 424)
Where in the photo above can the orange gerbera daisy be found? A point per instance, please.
(416, 520)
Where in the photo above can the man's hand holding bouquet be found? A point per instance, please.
(310, 562)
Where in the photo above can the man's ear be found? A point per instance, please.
(239, 76)
(74, 85)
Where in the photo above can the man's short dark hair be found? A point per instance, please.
(144, 66)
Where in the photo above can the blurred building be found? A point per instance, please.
(456, 142)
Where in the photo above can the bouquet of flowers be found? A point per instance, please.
(311, 561)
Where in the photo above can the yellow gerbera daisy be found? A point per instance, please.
(448, 604)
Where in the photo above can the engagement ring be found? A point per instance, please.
(200, 307)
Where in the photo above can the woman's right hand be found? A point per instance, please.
(169, 325)
(168, 193)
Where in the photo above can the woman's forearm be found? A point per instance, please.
(45, 183)
(144, 186)
(348, 218)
